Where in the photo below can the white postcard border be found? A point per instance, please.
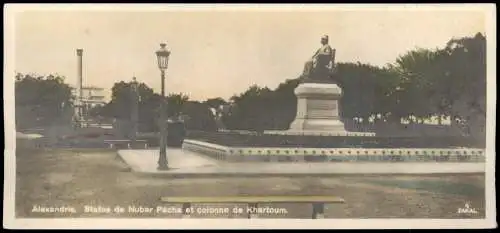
(94, 223)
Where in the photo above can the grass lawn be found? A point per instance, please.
(68, 178)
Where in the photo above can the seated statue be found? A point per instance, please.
(321, 66)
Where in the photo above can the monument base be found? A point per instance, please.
(317, 108)
(315, 125)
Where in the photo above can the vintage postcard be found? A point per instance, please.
(249, 116)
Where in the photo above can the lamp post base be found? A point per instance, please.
(162, 160)
(163, 167)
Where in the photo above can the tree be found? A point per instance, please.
(215, 102)
(368, 91)
(42, 101)
(250, 109)
(198, 117)
(417, 93)
(421, 83)
(465, 82)
(120, 106)
(219, 109)
(283, 106)
(356, 81)
(175, 103)
(444, 82)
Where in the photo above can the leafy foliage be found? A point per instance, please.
(42, 100)
(422, 83)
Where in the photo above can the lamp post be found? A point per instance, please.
(163, 54)
(135, 108)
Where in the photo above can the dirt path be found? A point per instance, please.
(64, 178)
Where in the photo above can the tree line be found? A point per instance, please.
(448, 82)
(42, 100)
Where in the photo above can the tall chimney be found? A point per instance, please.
(79, 53)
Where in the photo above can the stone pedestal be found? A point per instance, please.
(317, 108)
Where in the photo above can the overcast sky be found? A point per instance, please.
(221, 53)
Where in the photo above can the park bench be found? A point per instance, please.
(318, 202)
(113, 143)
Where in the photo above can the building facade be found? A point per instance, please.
(91, 96)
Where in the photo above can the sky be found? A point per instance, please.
(221, 52)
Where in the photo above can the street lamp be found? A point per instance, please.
(163, 54)
(135, 108)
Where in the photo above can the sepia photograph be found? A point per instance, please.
(249, 116)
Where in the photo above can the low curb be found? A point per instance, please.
(227, 171)
(284, 175)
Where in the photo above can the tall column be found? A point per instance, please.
(79, 53)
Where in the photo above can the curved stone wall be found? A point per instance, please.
(335, 154)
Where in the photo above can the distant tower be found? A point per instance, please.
(79, 53)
